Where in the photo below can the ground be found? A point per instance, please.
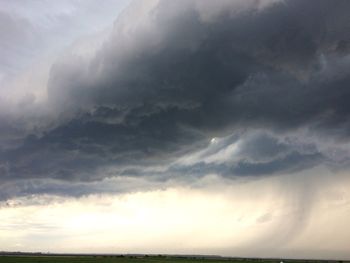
(131, 259)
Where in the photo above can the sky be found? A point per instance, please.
(180, 127)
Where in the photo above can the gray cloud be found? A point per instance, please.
(223, 73)
(257, 154)
(162, 87)
(15, 31)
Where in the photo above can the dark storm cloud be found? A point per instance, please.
(222, 73)
(162, 88)
(76, 150)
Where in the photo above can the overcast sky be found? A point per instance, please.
(188, 126)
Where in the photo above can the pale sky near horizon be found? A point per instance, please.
(178, 127)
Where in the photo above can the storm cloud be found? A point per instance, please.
(261, 84)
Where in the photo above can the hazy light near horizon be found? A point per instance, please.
(249, 218)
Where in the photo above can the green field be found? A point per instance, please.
(129, 259)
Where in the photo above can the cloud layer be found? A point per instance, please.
(183, 89)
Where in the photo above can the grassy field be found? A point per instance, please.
(128, 259)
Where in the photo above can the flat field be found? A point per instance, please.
(134, 259)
